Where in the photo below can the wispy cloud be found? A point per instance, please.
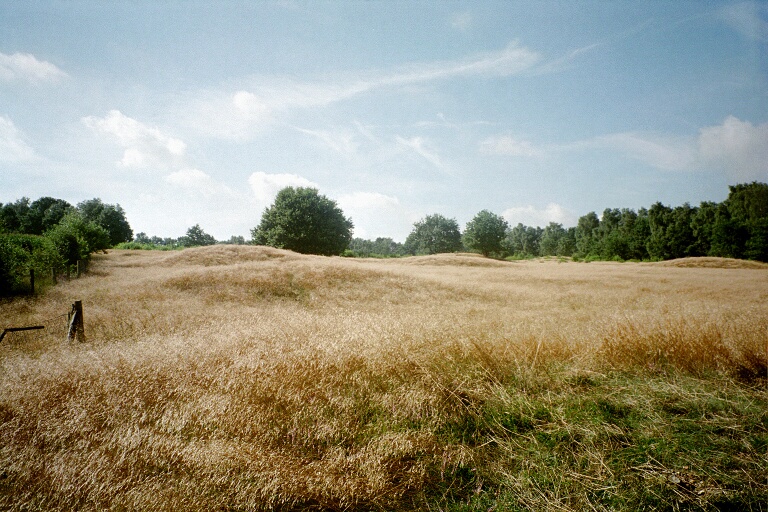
(341, 142)
(26, 67)
(462, 21)
(750, 19)
(240, 114)
(144, 146)
(661, 151)
(13, 147)
(420, 146)
(509, 146)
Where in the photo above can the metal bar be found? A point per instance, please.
(16, 329)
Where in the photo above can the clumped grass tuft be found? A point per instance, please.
(249, 378)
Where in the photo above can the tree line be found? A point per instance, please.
(734, 228)
(50, 233)
(304, 221)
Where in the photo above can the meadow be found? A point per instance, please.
(251, 378)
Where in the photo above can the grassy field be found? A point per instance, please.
(249, 378)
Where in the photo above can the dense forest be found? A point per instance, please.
(51, 233)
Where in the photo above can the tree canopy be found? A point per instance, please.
(434, 234)
(303, 220)
(109, 216)
(196, 237)
(485, 233)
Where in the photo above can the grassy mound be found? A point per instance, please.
(709, 262)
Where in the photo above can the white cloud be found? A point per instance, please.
(144, 146)
(25, 66)
(13, 148)
(266, 186)
(509, 146)
(195, 180)
(376, 215)
(738, 148)
(531, 216)
(748, 18)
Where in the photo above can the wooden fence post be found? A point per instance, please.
(76, 327)
(53, 275)
(79, 264)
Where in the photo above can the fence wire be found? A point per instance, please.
(55, 327)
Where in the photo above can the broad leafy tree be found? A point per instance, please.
(434, 234)
(196, 237)
(303, 220)
(110, 217)
(485, 233)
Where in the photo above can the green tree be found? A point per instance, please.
(523, 240)
(44, 213)
(748, 206)
(434, 234)
(485, 233)
(304, 221)
(587, 238)
(196, 237)
(76, 238)
(110, 217)
(550, 239)
(14, 217)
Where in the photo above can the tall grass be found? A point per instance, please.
(247, 378)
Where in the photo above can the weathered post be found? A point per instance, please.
(76, 326)
(53, 275)
(79, 268)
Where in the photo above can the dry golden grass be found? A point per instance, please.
(250, 378)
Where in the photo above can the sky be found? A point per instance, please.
(199, 112)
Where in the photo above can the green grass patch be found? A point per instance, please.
(618, 442)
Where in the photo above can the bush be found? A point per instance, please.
(21, 253)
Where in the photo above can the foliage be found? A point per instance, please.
(304, 221)
(434, 234)
(76, 238)
(110, 217)
(196, 237)
(32, 218)
(523, 241)
(380, 248)
(485, 233)
(21, 253)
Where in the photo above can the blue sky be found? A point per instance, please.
(199, 112)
